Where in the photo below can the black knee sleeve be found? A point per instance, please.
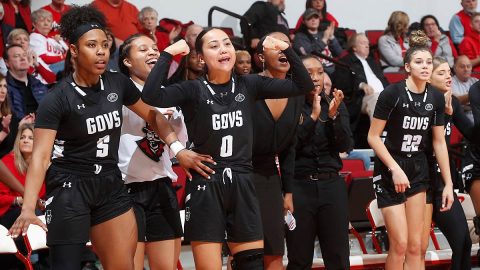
(476, 224)
(251, 259)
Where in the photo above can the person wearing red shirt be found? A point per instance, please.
(470, 45)
(57, 8)
(17, 14)
(321, 6)
(122, 18)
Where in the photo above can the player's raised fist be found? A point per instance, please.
(179, 47)
(274, 44)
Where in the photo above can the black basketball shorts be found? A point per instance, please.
(75, 202)
(269, 192)
(471, 168)
(226, 202)
(156, 210)
(416, 169)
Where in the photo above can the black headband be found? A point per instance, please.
(82, 29)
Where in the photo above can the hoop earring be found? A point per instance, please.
(263, 65)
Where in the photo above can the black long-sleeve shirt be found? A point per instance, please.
(219, 118)
(265, 18)
(276, 138)
(319, 143)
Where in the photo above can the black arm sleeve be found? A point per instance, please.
(461, 121)
(300, 84)
(340, 136)
(287, 166)
(131, 94)
(156, 94)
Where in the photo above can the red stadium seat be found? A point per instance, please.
(355, 168)
(373, 36)
(228, 31)
(394, 77)
(350, 32)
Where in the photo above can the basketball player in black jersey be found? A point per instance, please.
(218, 110)
(80, 119)
(409, 112)
(471, 170)
(453, 223)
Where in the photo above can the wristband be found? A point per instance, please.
(176, 147)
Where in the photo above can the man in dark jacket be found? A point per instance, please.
(361, 79)
(264, 18)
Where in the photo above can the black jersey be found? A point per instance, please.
(409, 116)
(87, 121)
(474, 97)
(219, 118)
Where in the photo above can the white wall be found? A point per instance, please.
(356, 14)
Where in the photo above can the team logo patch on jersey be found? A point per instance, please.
(151, 145)
(429, 107)
(112, 97)
(240, 97)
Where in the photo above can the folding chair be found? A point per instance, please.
(7, 246)
(376, 221)
(35, 239)
(359, 238)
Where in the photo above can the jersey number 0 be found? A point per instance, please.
(226, 149)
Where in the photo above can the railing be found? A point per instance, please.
(244, 24)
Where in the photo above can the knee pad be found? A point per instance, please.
(251, 259)
(476, 224)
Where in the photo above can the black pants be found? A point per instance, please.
(321, 209)
(454, 226)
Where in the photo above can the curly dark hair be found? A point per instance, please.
(79, 15)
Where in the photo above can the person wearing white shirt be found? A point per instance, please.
(144, 161)
(361, 78)
(462, 81)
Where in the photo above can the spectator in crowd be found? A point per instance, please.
(122, 18)
(310, 39)
(321, 7)
(148, 18)
(113, 60)
(361, 79)
(191, 34)
(51, 49)
(319, 193)
(441, 44)
(37, 67)
(462, 81)
(243, 63)
(5, 110)
(393, 43)
(24, 90)
(190, 68)
(266, 17)
(4, 31)
(11, 201)
(57, 8)
(17, 14)
(460, 23)
(470, 45)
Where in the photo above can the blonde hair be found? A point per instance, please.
(15, 33)
(20, 162)
(397, 24)
(243, 53)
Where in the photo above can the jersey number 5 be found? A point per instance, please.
(411, 143)
(102, 146)
(226, 149)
